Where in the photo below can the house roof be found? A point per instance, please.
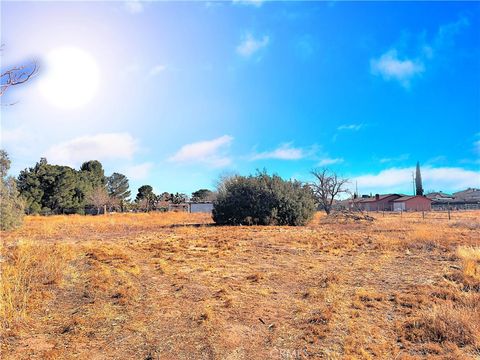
(468, 194)
(374, 199)
(406, 198)
(438, 195)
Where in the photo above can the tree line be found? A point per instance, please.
(260, 199)
(56, 189)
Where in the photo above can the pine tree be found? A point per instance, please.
(117, 186)
(94, 170)
(146, 198)
(418, 181)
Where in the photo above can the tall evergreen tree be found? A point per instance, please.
(94, 170)
(69, 193)
(30, 187)
(117, 186)
(146, 196)
(418, 181)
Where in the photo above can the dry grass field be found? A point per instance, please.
(172, 286)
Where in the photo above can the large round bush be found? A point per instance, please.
(263, 200)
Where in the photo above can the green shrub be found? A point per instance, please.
(263, 200)
(12, 207)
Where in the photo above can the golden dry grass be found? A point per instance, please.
(171, 286)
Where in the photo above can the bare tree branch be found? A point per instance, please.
(16, 75)
(327, 186)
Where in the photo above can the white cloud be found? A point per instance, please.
(390, 66)
(400, 179)
(101, 147)
(133, 6)
(446, 33)
(330, 161)
(283, 152)
(12, 136)
(211, 152)
(250, 45)
(157, 69)
(353, 127)
(139, 171)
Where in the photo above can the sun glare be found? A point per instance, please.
(71, 79)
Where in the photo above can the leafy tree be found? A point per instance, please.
(30, 187)
(11, 205)
(203, 195)
(418, 181)
(263, 199)
(95, 173)
(178, 198)
(327, 186)
(146, 198)
(118, 189)
(49, 188)
(69, 192)
(165, 197)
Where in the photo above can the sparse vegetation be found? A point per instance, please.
(168, 285)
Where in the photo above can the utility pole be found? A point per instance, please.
(413, 183)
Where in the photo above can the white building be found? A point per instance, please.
(200, 207)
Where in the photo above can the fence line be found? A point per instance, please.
(427, 215)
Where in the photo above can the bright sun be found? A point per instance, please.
(71, 79)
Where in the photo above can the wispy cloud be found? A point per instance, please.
(283, 152)
(157, 69)
(402, 157)
(352, 127)
(133, 6)
(446, 35)
(138, 171)
(403, 69)
(400, 179)
(436, 160)
(210, 152)
(330, 161)
(101, 147)
(250, 45)
(391, 67)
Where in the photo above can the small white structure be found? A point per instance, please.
(398, 206)
(200, 207)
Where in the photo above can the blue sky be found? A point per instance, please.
(180, 93)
